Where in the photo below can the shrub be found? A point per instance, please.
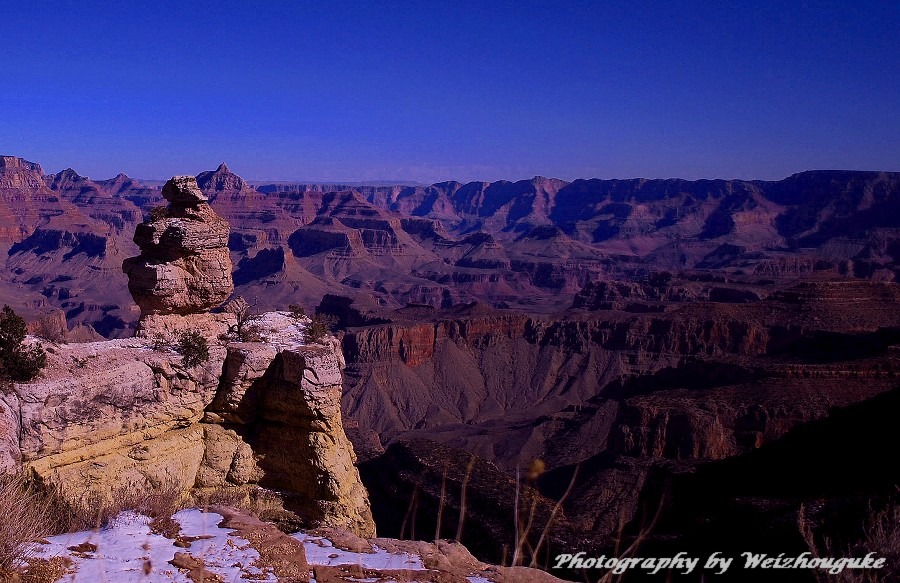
(243, 314)
(297, 311)
(193, 348)
(24, 517)
(159, 343)
(52, 330)
(880, 535)
(18, 362)
(318, 328)
(159, 212)
(252, 333)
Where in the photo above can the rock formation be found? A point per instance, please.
(530, 245)
(624, 394)
(184, 266)
(121, 416)
(126, 417)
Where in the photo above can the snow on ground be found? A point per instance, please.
(279, 329)
(127, 547)
(320, 551)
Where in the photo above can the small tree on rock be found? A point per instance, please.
(243, 314)
(18, 362)
(318, 328)
(193, 348)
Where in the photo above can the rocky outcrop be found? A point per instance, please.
(128, 416)
(116, 416)
(184, 266)
(285, 407)
(627, 296)
(16, 173)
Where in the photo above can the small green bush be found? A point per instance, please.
(159, 212)
(193, 348)
(18, 362)
(297, 311)
(318, 328)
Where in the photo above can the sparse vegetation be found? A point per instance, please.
(30, 511)
(297, 311)
(18, 362)
(193, 348)
(159, 343)
(51, 330)
(243, 329)
(79, 362)
(251, 333)
(259, 502)
(880, 535)
(24, 518)
(318, 328)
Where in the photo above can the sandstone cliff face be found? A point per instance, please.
(127, 415)
(184, 266)
(286, 406)
(516, 373)
(18, 173)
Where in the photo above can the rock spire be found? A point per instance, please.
(184, 266)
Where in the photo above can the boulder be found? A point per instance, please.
(184, 266)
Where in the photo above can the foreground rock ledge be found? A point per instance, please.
(125, 417)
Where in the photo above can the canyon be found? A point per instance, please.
(529, 245)
(610, 347)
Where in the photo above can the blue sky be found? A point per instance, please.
(461, 90)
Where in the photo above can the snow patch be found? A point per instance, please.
(126, 545)
(321, 551)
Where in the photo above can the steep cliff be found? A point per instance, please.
(121, 416)
(623, 396)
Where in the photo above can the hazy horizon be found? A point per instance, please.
(376, 181)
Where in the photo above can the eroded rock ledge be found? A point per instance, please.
(128, 416)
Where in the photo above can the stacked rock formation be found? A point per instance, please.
(184, 266)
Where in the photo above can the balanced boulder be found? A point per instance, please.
(184, 266)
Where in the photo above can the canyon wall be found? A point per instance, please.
(531, 245)
(624, 396)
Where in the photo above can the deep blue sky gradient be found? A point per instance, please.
(431, 91)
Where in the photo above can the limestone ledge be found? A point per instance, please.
(126, 415)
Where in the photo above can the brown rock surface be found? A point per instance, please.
(126, 416)
(281, 553)
(288, 409)
(184, 266)
(627, 396)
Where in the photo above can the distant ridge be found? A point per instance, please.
(528, 244)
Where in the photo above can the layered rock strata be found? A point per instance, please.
(127, 416)
(184, 266)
